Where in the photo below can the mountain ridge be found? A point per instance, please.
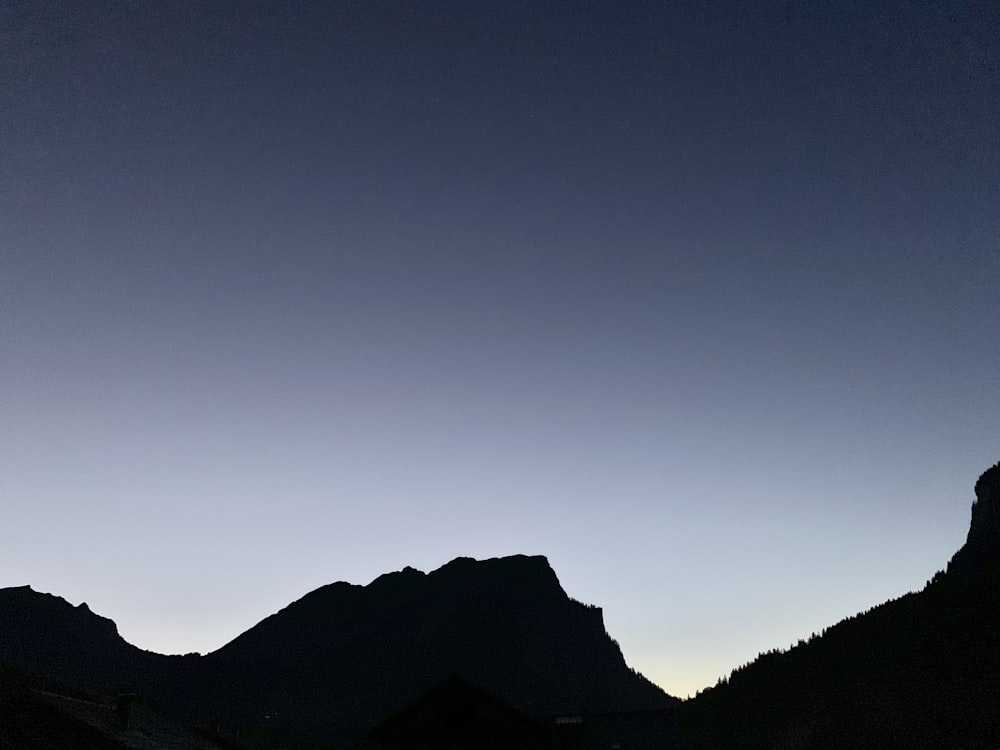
(504, 624)
(917, 671)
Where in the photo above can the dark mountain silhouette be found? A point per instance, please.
(505, 625)
(69, 644)
(45, 637)
(921, 671)
(326, 668)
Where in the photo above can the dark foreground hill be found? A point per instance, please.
(921, 671)
(323, 670)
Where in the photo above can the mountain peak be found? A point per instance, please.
(517, 569)
(503, 624)
(980, 555)
(988, 485)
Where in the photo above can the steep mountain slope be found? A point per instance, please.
(505, 625)
(916, 672)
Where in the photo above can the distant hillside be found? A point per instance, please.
(324, 669)
(917, 672)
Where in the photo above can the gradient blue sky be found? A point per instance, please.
(699, 303)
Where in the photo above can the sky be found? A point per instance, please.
(697, 300)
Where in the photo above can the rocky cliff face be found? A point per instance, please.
(980, 555)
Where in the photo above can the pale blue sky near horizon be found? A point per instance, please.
(700, 304)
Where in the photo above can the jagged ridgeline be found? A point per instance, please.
(327, 667)
(920, 671)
